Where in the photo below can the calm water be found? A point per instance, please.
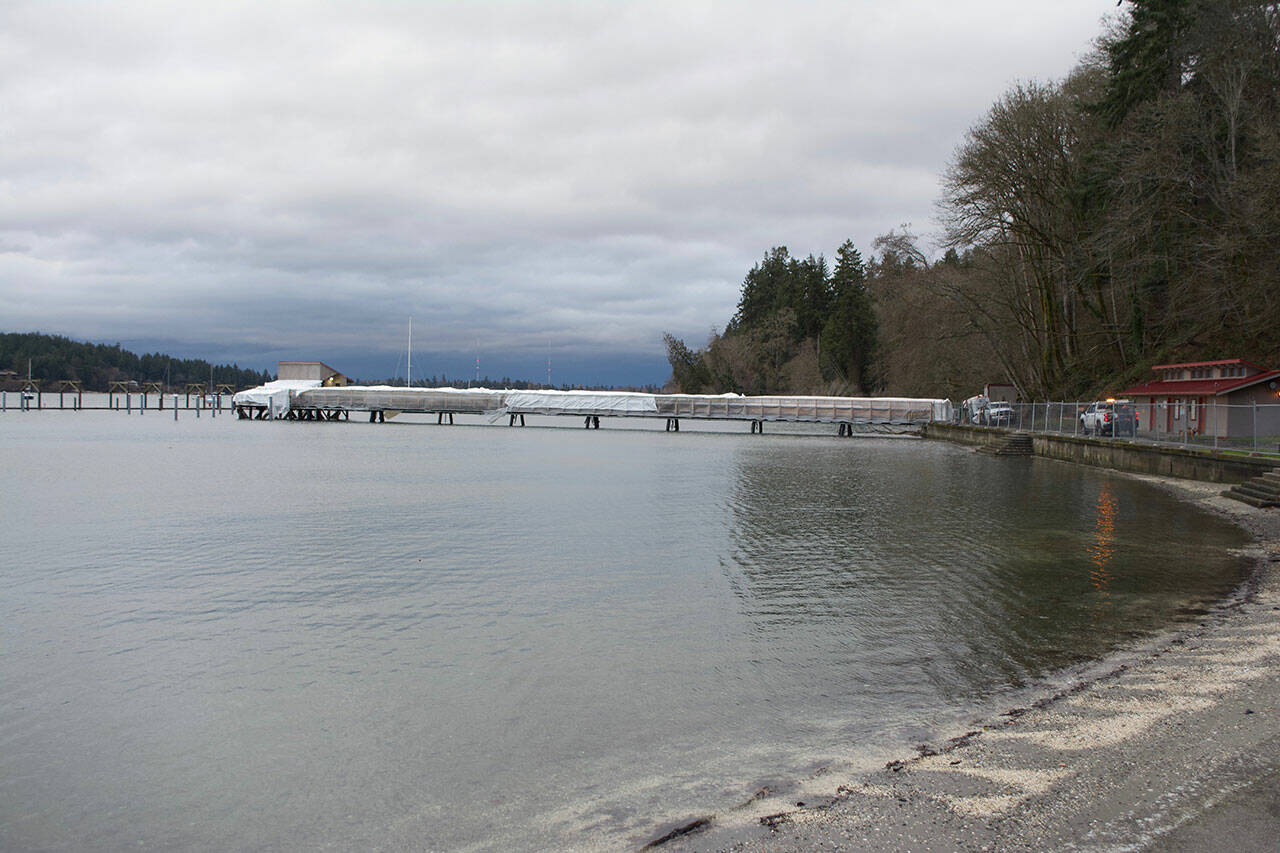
(217, 634)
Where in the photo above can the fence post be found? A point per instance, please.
(1255, 426)
(1217, 427)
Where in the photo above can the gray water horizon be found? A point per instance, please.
(409, 636)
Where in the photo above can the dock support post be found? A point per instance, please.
(373, 417)
(757, 427)
(673, 424)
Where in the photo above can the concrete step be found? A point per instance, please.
(1261, 491)
(1019, 444)
(1249, 499)
(1258, 490)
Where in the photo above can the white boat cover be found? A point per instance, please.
(580, 402)
(274, 395)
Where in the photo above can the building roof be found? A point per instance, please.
(1221, 361)
(1199, 387)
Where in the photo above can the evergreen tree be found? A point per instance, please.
(850, 335)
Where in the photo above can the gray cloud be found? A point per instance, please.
(302, 177)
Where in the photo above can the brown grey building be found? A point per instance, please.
(316, 370)
(1229, 398)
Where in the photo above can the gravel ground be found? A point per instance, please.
(1172, 746)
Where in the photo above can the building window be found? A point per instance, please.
(1177, 411)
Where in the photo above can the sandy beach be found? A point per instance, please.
(1171, 745)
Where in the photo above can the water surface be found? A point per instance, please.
(228, 634)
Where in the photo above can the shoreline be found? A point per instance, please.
(1172, 743)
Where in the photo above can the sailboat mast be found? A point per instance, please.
(408, 371)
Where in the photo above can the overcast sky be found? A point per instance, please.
(248, 182)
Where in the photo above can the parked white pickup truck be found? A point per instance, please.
(1109, 417)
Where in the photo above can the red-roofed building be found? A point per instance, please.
(1209, 398)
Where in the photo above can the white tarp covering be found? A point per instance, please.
(308, 393)
(581, 402)
(274, 395)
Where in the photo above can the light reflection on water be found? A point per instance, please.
(244, 635)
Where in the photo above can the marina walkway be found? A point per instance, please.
(295, 400)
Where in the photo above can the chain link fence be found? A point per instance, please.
(1252, 428)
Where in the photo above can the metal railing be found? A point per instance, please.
(1249, 428)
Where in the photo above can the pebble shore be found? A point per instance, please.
(1173, 745)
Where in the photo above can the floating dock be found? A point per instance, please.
(302, 400)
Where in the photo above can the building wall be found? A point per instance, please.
(1243, 416)
(301, 370)
(998, 392)
(314, 370)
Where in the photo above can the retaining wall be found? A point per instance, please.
(1121, 455)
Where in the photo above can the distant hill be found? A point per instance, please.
(96, 366)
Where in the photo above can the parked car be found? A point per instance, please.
(1109, 417)
(999, 414)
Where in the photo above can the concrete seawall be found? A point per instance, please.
(1118, 454)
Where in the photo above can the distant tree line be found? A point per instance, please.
(1124, 216)
(96, 366)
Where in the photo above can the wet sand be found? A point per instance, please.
(1172, 745)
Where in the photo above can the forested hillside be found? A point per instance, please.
(1096, 225)
(54, 358)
